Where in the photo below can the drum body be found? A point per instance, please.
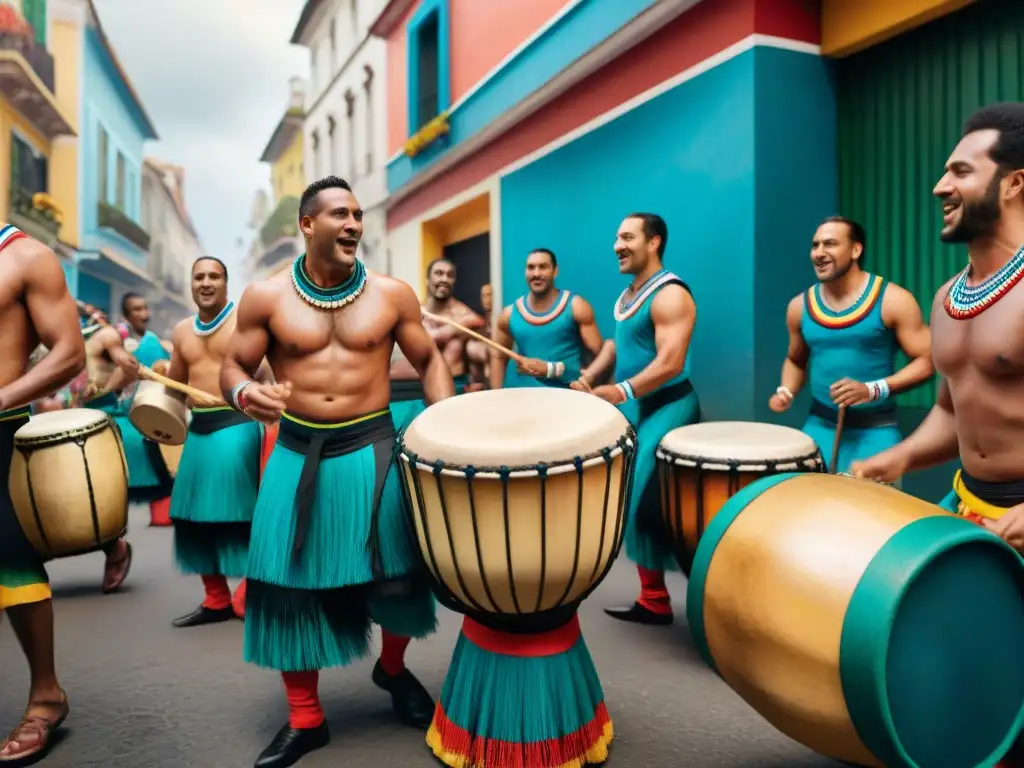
(160, 413)
(518, 501)
(701, 466)
(172, 457)
(869, 625)
(69, 482)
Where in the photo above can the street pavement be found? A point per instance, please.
(145, 695)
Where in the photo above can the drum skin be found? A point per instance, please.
(523, 545)
(871, 626)
(159, 413)
(701, 466)
(70, 494)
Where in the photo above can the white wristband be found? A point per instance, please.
(238, 391)
(784, 391)
(879, 389)
(627, 389)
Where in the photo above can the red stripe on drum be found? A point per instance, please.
(542, 644)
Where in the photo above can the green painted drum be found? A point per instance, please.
(871, 626)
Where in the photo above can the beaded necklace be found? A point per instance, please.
(327, 298)
(965, 301)
(205, 329)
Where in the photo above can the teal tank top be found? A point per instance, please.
(553, 336)
(634, 330)
(150, 350)
(853, 344)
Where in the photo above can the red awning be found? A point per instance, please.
(11, 21)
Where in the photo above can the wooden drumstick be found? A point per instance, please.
(838, 437)
(479, 337)
(196, 394)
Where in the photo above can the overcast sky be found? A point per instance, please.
(213, 76)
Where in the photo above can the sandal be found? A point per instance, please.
(126, 561)
(34, 737)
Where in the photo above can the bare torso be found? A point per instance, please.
(454, 350)
(982, 360)
(17, 336)
(337, 362)
(98, 365)
(204, 355)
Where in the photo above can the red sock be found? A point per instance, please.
(304, 709)
(160, 512)
(392, 652)
(238, 601)
(653, 592)
(218, 596)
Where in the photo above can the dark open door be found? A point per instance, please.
(472, 260)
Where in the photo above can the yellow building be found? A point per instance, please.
(32, 119)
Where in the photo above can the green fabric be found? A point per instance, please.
(404, 411)
(25, 574)
(930, 654)
(209, 549)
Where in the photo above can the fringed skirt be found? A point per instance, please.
(148, 476)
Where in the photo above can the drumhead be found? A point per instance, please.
(56, 424)
(515, 428)
(745, 445)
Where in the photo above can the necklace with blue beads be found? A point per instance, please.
(965, 301)
(206, 329)
(327, 298)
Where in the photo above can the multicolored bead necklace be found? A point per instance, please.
(206, 329)
(965, 301)
(327, 298)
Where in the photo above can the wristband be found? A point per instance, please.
(238, 395)
(786, 391)
(626, 389)
(879, 389)
(555, 370)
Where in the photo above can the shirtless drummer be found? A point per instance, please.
(330, 552)
(441, 276)
(35, 307)
(977, 345)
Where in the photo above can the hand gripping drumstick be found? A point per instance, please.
(838, 437)
(196, 394)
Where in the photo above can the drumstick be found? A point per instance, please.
(838, 437)
(479, 337)
(196, 394)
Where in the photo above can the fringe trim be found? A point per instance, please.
(457, 748)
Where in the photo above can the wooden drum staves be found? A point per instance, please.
(869, 625)
(69, 482)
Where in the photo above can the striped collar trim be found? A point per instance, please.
(537, 318)
(623, 312)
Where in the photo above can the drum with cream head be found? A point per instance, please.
(69, 482)
(701, 466)
(518, 500)
(160, 413)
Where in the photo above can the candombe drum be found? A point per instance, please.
(69, 482)
(159, 413)
(701, 466)
(171, 455)
(518, 501)
(871, 626)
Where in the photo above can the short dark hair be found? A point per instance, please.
(309, 194)
(128, 297)
(856, 233)
(212, 258)
(550, 253)
(442, 260)
(654, 226)
(1007, 118)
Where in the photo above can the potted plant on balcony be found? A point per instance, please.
(36, 215)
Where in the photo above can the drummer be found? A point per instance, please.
(330, 551)
(654, 318)
(551, 328)
(844, 333)
(478, 354)
(218, 478)
(36, 308)
(978, 416)
(441, 277)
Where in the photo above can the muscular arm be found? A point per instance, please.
(601, 364)
(674, 314)
(794, 367)
(111, 343)
(419, 349)
(251, 340)
(179, 368)
(901, 313)
(590, 335)
(54, 316)
(502, 335)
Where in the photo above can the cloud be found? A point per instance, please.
(213, 77)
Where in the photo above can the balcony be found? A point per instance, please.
(27, 82)
(282, 222)
(113, 218)
(35, 215)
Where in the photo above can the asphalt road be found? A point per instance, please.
(146, 695)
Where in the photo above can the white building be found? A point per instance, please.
(174, 244)
(345, 127)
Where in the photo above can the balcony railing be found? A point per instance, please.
(283, 222)
(112, 217)
(41, 222)
(36, 55)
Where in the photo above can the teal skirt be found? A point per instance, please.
(215, 493)
(148, 476)
(310, 603)
(645, 541)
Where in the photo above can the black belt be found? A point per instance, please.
(403, 390)
(1008, 494)
(319, 443)
(659, 398)
(856, 418)
(208, 422)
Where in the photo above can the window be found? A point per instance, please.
(350, 132)
(119, 189)
(316, 154)
(355, 21)
(101, 164)
(427, 64)
(332, 145)
(368, 88)
(28, 167)
(427, 61)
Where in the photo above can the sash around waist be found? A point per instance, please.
(14, 419)
(856, 418)
(659, 398)
(986, 498)
(206, 421)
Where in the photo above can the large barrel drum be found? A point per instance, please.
(867, 624)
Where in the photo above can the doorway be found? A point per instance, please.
(472, 260)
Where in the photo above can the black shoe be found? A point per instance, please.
(203, 615)
(637, 614)
(292, 744)
(413, 705)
